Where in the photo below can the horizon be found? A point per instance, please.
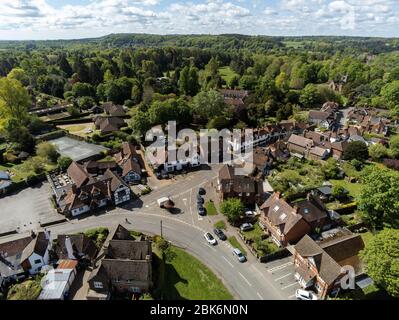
(24, 20)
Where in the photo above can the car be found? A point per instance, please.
(201, 191)
(246, 227)
(200, 200)
(220, 234)
(305, 295)
(250, 213)
(201, 210)
(237, 252)
(211, 240)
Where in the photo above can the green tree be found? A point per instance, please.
(379, 200)
(48, 151)
(390, 93)
(331, 169)
(64, 162)
(378, 152)
(356, 150)
(339, 192)
(20, 75)
(14, 102)
(310, 96)
(232, 209)
(394, 146)
(381, 257)
(81, 89)
(208, 105)
(139, 122)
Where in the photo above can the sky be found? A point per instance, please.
(71, 19)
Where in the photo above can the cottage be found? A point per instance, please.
(288, 223)
(75, 247)
(319, 265)
(123, 265)
(235, 98)
(109, 124)
(113, 110)
(230, 185)
(36, 254)
(129, 161)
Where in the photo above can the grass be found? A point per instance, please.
(220, 225)
(79, 129)
(367, 236)
(227, 74)
(262, 246)
(27, 290)
(211, 209)
(234, 242)
(183, 277)
(353, 188)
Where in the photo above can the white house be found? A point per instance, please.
(36, 253)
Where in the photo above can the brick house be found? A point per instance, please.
(318, 265)
(287, 223)
(229, 185)
(123, 265)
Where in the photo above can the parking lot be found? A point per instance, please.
(282, 271)
(26, 209)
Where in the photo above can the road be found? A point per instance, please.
(249, 281)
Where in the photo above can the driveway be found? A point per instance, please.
(27, 208)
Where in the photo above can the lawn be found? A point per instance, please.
(234, 242)
(220, 225)
(367, 236)
(27, 290)
(227, 74)
(261, 245)
(184, 277)
(79, 129)
(211, 209)
(353, 188)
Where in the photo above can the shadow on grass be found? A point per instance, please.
(165, 279)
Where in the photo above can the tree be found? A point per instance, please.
(160, 112)
(378, 152)
(208, 104)
(232, 209)
(48, 151)
(390, 93)
(20, 75)
(378, 201)
(394, 146)
(14, 102)
(139, 122)
(356, 150)
(331, 169)
(339, 192)
(310, 96)
(381, 257)
(81, 89)
(64, 162)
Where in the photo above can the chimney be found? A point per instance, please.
(278, 194)
(68, 245)
(296, 209)
(47, 234)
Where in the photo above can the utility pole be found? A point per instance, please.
(161, 230)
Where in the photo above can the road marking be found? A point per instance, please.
(259, 295)
(285, 265)
(245, 279)
(191, 209)
(288, 274)
(290, 285)
(231, 265)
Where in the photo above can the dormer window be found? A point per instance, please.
(276, 208)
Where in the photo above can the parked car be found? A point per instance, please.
(211, 240)
(305, 295)
(201, 191)
(200, 200)
(239, 255)
(201, 210)
(250, 213)
(220, 234)
(246, 227)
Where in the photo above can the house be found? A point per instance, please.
(10, 260)
(75, 247)
(235, 98)
(319, 265)
(367, 120)
(123, 265)
(36, 254)
(264, 157)
(109, 124)
(90, 192)
(304, 147)
(129, 161)
(321, 119)
(230, 185)
(288, 223)
(113, 110)
(5, 182)
(57, 282)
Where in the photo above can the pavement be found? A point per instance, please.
(185, 228)
(27, 208)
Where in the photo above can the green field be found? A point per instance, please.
(184, 277)
(227, 74)
(354, 189)
(220, 225)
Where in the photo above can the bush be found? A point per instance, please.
(356, 150)
(232, 209)
(48, 151)
(64, 162)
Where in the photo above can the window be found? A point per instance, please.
(276, 208)
(37, 261)
(98, 285)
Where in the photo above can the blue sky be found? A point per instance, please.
(67, 19)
